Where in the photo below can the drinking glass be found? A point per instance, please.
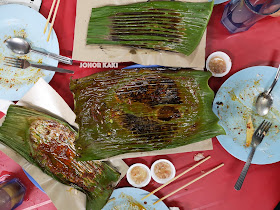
(240, 15)
(11, 194)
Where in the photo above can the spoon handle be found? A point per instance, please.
(60, 58)
(274, 82)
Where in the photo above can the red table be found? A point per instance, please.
(34, 198)
(258, 46)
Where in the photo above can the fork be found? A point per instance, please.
(256, 140)
(23, 64)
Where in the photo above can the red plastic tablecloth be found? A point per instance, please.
(33, 198)
(257, 46)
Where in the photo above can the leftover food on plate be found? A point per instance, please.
(249, 131)
(234, 103)
(161, 25)
(139, 110)
(138, 175)
(131, 198)
(21, 21)
(49, 143)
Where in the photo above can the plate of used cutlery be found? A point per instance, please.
(21, 21)
(234, 104)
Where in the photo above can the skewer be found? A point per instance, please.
(186, 171)
(189, 183)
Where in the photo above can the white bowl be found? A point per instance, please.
(163, 181)
(225, 57)
(144, 183)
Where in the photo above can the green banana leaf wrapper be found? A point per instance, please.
(161, 25)
(48, 143)
(139, 110)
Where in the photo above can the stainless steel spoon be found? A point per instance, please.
(21, 46)
(265, 100)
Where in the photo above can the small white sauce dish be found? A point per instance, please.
(155, 170)
(223, 56)
(132, 174)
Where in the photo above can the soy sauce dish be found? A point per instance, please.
(138, 175)
(163, 171)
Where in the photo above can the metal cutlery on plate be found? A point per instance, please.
(23, 64)
(22, 47)
(257, 138)
(264, 100)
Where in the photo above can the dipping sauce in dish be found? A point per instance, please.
(138, 175)
(218, 63)
(162, 171)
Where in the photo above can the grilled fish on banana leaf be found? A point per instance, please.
(124, 111)
(49, 144)
(161, 25)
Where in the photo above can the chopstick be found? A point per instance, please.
(189, 183)
(49, 16)
(53, 18)
(186, 171)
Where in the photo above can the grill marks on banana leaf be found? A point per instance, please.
(168, 113)
(171, 26)
(164, 28)
(150, 18)
(150, 12)
(145, 128)
(122, 111)
(155, 26)
(150, 90)
(145, 24)
(135, 33)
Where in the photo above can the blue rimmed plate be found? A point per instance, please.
(234, 103)
(21, 21)
(130, 198)
(33, 181)
(219, 1)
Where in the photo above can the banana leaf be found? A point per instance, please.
(138, 110)
(161, 25)
(48, 143)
